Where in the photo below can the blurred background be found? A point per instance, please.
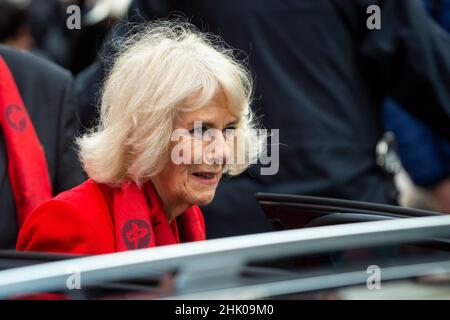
(40, 26)
(363, 114)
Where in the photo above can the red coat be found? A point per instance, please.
(76, 221)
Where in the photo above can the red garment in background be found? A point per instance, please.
(27, 166)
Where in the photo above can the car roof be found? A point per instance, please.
(212, 261)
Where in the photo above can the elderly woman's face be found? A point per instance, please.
(196, 182)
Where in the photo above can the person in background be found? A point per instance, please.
(38, 126)
(425, 155)
(41, 26)
(15, 28)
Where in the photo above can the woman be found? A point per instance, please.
(169, 78)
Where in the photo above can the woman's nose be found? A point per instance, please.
(216, 150)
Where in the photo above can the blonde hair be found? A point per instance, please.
(154, 74)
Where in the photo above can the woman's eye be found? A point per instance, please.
(229, 130)
(198, 130)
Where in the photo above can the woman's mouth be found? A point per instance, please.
(206, 177)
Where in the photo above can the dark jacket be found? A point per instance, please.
(321, 76)
(424, 154)
(47, 91)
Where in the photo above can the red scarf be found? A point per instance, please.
(27, 167)
(140, 221)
